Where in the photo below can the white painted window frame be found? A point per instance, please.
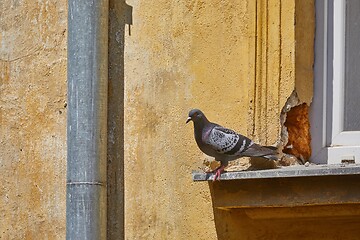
(330, 143)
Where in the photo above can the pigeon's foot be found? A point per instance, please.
(217, 172)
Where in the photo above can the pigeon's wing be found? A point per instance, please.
(227, 141)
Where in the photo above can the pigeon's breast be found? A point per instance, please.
(206, 134)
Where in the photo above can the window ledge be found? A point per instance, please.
(286, 187)
(285, 172)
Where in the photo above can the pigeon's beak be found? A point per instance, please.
(188, 119)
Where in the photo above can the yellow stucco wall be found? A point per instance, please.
(235, 60)
(32, 119)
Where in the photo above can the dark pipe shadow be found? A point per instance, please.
(120, 16)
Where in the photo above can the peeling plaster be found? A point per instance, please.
(295, 137)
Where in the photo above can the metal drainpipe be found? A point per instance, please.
(87, 119)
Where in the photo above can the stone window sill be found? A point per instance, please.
(284, 172)
(293, 186)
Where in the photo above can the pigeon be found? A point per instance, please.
(225, 144)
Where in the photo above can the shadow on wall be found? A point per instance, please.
(120, 16)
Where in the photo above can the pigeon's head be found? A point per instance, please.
(195, 115)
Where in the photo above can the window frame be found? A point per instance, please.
(330, 144)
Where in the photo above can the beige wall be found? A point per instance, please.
(235, 60)
(32, 119)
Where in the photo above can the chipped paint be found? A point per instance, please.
(235, 60)
(33, 119)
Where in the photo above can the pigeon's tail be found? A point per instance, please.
(268, 152)
(275, 155)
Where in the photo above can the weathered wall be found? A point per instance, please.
(32, 119)
(233, 59)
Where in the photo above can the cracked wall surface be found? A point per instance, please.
(236, 61)
(32, 119)
(295, 134)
